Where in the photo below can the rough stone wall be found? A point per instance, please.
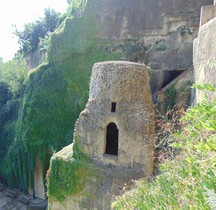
(38, 180)
(143, 16)
(36, 58)
(184, 95)
(111, 182)
(157, 33)
(126, 84)
(205, 57)
(207, 13)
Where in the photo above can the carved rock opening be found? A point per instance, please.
(112, 139)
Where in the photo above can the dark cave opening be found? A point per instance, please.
(169, 76)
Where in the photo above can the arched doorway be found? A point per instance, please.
(111, 139)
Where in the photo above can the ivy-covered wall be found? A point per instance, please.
(55, 94)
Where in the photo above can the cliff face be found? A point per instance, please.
(55, 93)
(157, 33)
(126, 19)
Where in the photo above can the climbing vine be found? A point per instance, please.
(68, 173)
(170, 95)
(55, 94)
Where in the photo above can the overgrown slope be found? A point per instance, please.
(188, 181)
(55, 93)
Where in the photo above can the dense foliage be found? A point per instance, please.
(13, 73)
(37, 32)
(54, 95)
(188, 181)
(12, 76)
(35, 35)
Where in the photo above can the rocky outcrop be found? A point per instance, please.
(36, 58)
(205, 51)
(157, 33)
(116, 131)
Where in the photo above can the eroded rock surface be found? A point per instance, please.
(157, 33)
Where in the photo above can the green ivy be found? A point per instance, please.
(68, 173)
(170, 96)
(55, 94)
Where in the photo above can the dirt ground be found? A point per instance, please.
(7, 203)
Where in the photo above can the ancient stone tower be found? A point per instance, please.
(118, 122)
(116, 130)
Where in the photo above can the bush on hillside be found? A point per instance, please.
(188, 181)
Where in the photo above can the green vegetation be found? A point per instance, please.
(77, 7)
(186, 30)
(12, 75)
(170, 95)
(187, 181)
(33, 33)
(53, 97)
(160, 45)
(175, 95)
(135, 51)
(68, 173)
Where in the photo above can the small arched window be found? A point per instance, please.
(111, 139)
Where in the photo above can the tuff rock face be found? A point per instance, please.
(157, 33)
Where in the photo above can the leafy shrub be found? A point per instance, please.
(12, 76)
(188, 181)
(29, 38)
(165, 126)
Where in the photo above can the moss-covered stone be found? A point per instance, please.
(68, 173)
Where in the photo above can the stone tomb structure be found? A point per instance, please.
(116, 130)
(118, 122)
